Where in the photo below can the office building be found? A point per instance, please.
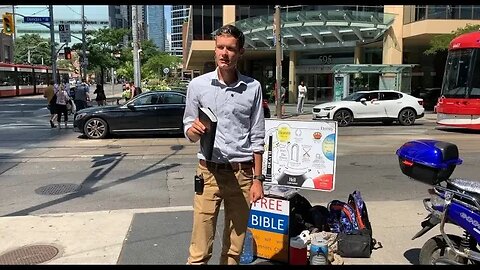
(317, 38)
(156, 25)
(179, 16)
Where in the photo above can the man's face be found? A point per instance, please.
(227, 52)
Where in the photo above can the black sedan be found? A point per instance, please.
(149, 112)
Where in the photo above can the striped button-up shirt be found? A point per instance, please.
(238, 107)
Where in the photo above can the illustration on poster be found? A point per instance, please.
(300, 154)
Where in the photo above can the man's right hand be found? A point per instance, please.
(196, 130)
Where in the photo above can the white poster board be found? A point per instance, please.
(300, 154)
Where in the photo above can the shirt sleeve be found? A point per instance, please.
(191, 109)
(257, 132)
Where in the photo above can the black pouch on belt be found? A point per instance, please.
(198, 183)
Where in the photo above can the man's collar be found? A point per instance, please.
(240, 79)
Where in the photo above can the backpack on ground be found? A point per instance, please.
(350, 220)
(342, 217)
(299, 212)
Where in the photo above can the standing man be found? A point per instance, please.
(234, 174)
(302, 91)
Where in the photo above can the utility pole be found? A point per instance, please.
(136, 60)
(278, 56)
(52, 41)
(84, 53)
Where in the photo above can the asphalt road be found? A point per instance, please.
(156, 171)
(56, 171)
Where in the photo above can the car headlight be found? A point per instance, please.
(328, 108)
(80, 116)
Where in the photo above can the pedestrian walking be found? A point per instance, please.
(81, 95)
(302, 91)
(49, 94)
(234, 173)
(100, 98)
(62, 99)
(133, 90)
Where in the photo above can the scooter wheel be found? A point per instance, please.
(436, 248)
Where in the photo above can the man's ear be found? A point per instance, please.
(242, 50)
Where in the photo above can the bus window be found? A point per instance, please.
(456, 76)
(7, 77)
(475, 90)
(25, 78)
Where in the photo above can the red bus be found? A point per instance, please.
(459, 103)
(21, 80)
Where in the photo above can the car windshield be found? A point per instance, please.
(354, 97)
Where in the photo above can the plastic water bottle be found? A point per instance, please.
(247, 253)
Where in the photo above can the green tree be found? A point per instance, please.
(441, 42)
(102, 45)
(126, 70)
(154, 66)
(39, 48)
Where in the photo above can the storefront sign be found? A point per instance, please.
(300, 154)
(268, 223)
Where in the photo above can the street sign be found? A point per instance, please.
(36, 19)
(64, 32)
(166, 70)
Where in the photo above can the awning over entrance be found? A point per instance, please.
(316, 29)
(371, 68)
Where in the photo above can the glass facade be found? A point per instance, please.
(179, 15)
(157, 31)
(206, 19)
(446, 12)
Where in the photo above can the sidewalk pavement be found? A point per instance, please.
(161, 235)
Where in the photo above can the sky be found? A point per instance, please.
(94, 11)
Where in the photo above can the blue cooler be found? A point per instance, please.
(428, 161)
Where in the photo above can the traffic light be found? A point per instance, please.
(8, 23)
(68, 53)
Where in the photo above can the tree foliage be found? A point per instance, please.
(441, 42)
(102, 45)
(39, 48)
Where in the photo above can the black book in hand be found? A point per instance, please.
(209, 120)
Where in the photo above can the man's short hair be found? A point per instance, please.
(232, 31)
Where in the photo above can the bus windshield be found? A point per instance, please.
(456, 83)
(456, 73)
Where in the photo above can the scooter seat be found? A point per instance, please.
(466, 185)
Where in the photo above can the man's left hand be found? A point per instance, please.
(256, 191)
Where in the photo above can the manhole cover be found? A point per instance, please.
(57, 189)
(29, 255)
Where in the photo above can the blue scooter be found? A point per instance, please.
(454, 201)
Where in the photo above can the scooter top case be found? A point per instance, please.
(428, 161)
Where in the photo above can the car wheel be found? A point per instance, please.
(407, 117)
(95, 128)
(343, 117)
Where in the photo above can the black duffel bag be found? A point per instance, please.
(355, 244)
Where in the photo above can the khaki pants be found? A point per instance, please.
(233, 187)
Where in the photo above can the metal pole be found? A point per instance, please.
(28, 56)
(136, 64)
(278, 56)
(83, 65)
(52, 41)
(113, 80)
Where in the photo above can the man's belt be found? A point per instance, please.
(234, 166)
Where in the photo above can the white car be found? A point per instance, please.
(386, 106)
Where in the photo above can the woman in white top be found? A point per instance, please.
(62, 99)
(302, 90)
